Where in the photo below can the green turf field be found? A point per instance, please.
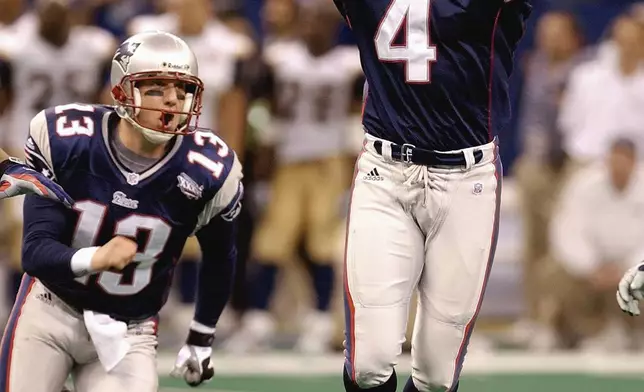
(484, 372)
(489, 383)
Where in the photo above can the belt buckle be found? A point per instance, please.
(406, 151)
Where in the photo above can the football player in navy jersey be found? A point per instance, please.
(97, 275)
(426, 192)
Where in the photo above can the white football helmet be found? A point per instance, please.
(156, 55)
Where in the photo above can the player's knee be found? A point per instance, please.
(373, 372)
(453, 316)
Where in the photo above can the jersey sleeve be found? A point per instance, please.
(218, 242)
(45, 254)
(227, 200)
(59, 138)
(38, 148)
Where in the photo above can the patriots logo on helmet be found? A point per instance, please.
(124, 53)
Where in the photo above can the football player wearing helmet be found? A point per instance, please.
(144, 180)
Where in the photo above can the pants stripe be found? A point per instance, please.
(349, 309)
(6, 348)
(460, 357)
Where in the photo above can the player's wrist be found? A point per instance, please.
(81, 263)
(200, 335)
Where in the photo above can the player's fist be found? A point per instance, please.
(193, 362)
(16, 178)
(115, 255)
(631, 290)
(193, 365)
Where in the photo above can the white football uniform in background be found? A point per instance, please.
(44, 75)
(12, 35)
(313, 99)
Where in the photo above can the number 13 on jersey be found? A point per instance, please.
(418, 53)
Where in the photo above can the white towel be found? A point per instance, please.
(108, 336)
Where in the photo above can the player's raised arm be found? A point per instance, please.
(217, 238)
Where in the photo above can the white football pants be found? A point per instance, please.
(45, 341)
(415, 227)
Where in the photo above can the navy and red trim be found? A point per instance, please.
(6, 349)
(349, 307)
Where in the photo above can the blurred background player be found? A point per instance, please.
(279, 19)
(540, 171)
(314, 88)
(46, 60)
(13, 18)
(596, 234)
(54, 62)
(222, 54)
(588, 122)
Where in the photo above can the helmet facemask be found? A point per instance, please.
(129, 104)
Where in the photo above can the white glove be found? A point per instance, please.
(193, 364)
(193, 361)
(631, 290)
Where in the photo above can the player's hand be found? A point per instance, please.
(115, 255)
(19, 179)
(193, 362)
(630, 290)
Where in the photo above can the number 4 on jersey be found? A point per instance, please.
(417, 54)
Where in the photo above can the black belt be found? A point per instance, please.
(407, 153)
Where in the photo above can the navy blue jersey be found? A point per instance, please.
(437, 70)
(197, 179)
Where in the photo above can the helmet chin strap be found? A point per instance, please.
(152, 136)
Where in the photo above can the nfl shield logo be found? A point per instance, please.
(132, 178)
